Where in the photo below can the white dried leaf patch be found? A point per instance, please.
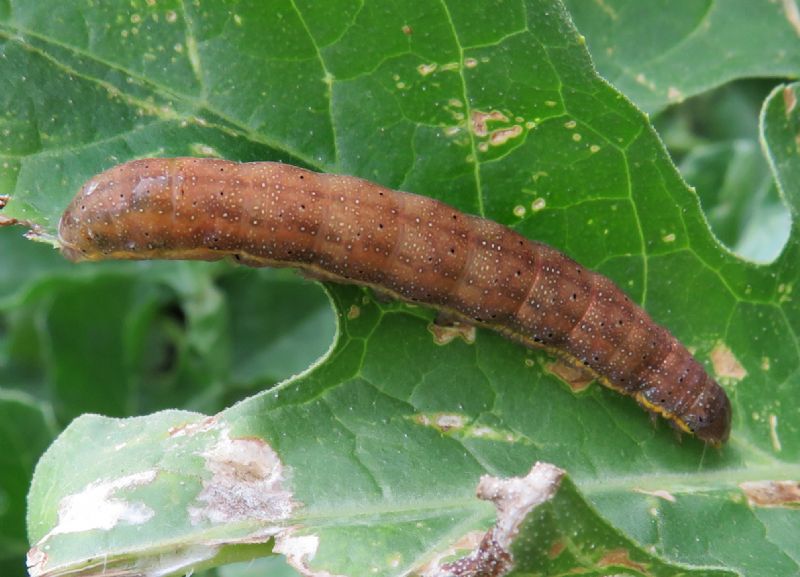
(246, 483)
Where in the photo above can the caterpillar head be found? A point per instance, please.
(709, 417)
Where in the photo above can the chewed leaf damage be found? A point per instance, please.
(246, 482)
(101, 505)
(514, 498)
(772, 493)
(236, 494)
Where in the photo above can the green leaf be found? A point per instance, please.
(714, 138)
(663, 51)
(26, 430)
(495, 109)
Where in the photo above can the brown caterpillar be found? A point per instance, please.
(415, 248)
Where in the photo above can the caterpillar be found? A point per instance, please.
(414, 248)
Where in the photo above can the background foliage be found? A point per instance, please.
(390, 92)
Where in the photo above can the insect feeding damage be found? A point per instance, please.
(414, 248)
(514, 498)
(235, 491)
(446, 331)
(726, 365)
(101, 505)
(772, 493)
(246, 483)
(578, 378)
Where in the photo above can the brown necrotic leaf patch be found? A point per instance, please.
(514, 498)
(480, 119)
(444, 422)
(445, 334)
(772, 493)
(726, 365)
(621, 558)
(576, 377)
(246, 483)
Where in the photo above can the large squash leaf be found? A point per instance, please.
(368, 462)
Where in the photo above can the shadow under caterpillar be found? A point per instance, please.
(349, 230)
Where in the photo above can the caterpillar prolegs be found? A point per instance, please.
(418, 249)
